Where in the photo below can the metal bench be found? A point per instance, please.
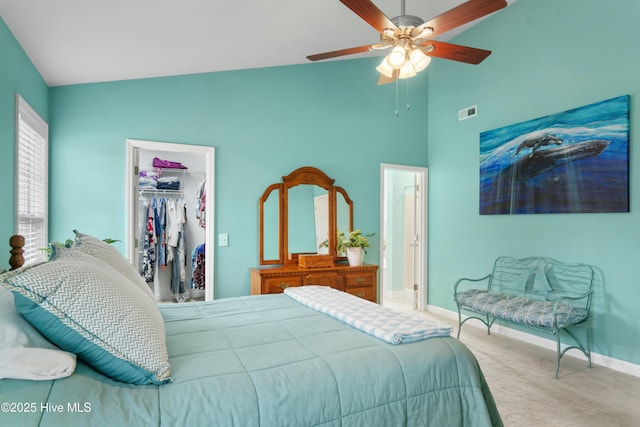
(536, 292)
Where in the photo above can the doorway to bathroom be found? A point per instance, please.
(403, 251)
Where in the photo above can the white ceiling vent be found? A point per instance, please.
(467, 113)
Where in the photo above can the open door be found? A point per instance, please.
(199, 230)
(403, 245)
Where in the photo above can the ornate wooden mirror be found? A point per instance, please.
(301, 213)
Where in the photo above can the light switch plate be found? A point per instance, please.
(223, 239)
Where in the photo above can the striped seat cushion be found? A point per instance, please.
(527, 311)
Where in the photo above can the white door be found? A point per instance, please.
(403, 227)
(207, 156)
(409, 250)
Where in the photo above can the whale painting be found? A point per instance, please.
(576, 161)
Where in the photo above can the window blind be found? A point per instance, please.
(32, 153)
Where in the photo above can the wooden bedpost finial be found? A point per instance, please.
(16, 242)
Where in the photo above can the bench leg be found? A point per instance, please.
(459, 322)
(588, 344)
(585, 349)
(558, 353)
(487, 322)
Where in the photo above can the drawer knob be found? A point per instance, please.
(284, 286)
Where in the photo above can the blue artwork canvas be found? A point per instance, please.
(576, 161)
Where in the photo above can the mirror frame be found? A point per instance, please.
(265, 196)
(304, 175)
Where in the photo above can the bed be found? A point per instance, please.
(266, 360)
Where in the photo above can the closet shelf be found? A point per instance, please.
(159, 191)
(167, 170)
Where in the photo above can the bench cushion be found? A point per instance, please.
(520, 309)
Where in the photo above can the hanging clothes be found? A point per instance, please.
(176, 217)
(198, 254)
(164, 247)
(201, 204)
(198, 268)
(147, 267)
(161, 232)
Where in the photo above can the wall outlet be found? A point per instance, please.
(223, 239)
(467, 113)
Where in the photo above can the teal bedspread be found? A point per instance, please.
(269, 361)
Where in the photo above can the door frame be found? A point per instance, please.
(422, 178)
(133, 147)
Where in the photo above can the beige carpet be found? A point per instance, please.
(520, 376)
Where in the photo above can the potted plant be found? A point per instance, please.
(354, 245)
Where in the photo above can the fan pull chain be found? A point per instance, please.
(397, 112)
(407, 80)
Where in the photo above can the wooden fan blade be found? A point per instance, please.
(455, 52)
(463, 14)
(370, 13)
(341, 52)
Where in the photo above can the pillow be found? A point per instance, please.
(109, 254)
(542, 284)
(552, 280)
(15, 330)
(36, 363)
(525, 280)
(24, 353)
(85, 307)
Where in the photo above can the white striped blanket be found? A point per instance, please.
(384, 323)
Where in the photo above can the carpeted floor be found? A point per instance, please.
(520, 376)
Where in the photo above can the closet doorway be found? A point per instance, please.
(403, 242)
(193, 181)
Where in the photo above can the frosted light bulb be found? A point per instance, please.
(397, 57)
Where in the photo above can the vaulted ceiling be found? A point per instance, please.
(80, 41)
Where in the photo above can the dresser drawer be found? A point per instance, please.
(360, 279)
(329, 278)
(275, 285)
(366, 293)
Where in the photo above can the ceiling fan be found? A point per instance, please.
(409, 37)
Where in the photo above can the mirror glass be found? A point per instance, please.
(343, 208)
(343, 213)
(308, 218)
(271, 227)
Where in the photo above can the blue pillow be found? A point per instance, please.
(85, 307)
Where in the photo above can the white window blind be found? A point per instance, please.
(32, 154)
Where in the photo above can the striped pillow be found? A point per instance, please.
(86, 307)
(109, 254)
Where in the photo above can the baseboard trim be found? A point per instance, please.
(598, 359)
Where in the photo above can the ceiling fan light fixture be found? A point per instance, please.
(407, 71)
(419, 60)
(424, 33)
(397, 57)
(385, 69)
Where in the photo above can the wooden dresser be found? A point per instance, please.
(360, 281)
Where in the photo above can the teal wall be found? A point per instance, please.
(17, 76)
(548, 56)
(263, 123)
